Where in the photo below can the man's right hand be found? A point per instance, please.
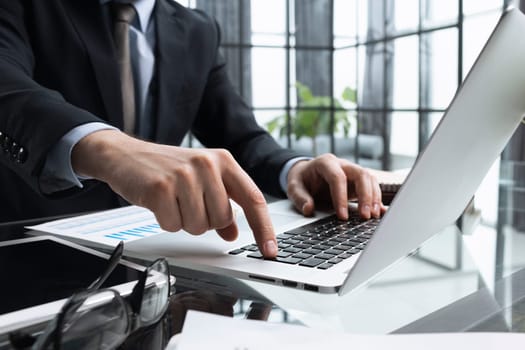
(185, 188)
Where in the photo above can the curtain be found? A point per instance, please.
(378, 77)
(313, 28)
(234, 18)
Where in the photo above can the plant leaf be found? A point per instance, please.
(350, 94)
(304, 92)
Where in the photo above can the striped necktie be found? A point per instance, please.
(123, 14)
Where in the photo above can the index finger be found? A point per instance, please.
(243, 190)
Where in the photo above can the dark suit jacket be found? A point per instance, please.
(58, 70)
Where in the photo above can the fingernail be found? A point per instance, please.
(377, 211)
(305, 210)
(270, 248)
(343, 213)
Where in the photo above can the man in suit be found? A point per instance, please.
(65, 97)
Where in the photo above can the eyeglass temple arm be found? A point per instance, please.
(135, 298)
(114, 259)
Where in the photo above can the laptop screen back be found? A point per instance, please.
(477, 125)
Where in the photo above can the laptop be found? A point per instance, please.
(482, 117)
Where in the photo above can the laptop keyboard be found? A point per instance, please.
(320, 244)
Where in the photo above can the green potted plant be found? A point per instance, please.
(312, 117)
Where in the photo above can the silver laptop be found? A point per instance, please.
(477, 125)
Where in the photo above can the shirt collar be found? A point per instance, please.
(144, 10)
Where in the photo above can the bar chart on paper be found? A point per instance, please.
(106, 228)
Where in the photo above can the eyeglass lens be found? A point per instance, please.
(99, 322)
(156, 292)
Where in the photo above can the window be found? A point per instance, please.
(402, 60)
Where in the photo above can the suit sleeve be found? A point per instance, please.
(32, 117)
(225, 120)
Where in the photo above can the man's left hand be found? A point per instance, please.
(327, 178)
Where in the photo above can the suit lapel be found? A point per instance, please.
(171, 56)
(88, 19)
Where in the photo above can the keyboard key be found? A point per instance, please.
(325, 266)
(312, 251)
(302, 255)
(335, 260)
(301, 238)
(303, 245)
(283, 254)
(288, 260)
(236, 251)
(334, 251)
(324, 256)
(308, 234)
(292, 250)
(250, 247)
(256, 255)
(312, 262)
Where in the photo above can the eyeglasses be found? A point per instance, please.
(102, 318)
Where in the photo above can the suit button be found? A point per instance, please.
(6, 142)
(14, 150)
(21, 155)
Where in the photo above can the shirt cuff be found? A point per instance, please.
(58, 173)
(283, 176)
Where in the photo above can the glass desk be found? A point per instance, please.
(469, 277)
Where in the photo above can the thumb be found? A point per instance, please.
(301, 198)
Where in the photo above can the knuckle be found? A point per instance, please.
(367, 175)
(185, 173)
(157, 187)
(327, 158)
(224, 157)
(266, 228)
(256, 197)
(202, 161)
(360, 172)
(224, 154)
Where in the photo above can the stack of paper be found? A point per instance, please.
(208, 331)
